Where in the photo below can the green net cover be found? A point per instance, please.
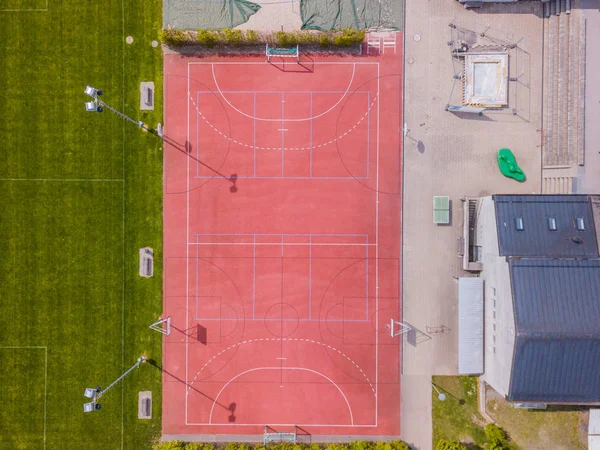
(327, 15)
(207, 14)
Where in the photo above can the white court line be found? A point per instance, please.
(287, 120)
(311, 147)
(311, 341)
(278, 244)
(264, 63)
(45, 376)
(281, 368)
(377, 264)
(74, 180)
(187, 249)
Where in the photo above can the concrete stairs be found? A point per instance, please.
(564, 91)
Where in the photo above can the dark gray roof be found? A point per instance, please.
(536, 239)
(557, 325)
(552, 370)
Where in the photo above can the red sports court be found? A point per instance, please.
(282, 244)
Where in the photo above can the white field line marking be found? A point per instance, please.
(305, 119)
(123, 233)
(311, 341)
(252, 146)
(281, 368)
(45, 375)
(45, 392)
(73, 180)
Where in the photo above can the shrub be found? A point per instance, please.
(307, 38)
(232, 37)
(170, 445)
(360, 445)
(494, 433)
(449, 445)
(207, 38)
(324, 40)
(283, 39)
(175, 38)
(252, 37)
(348, 38)
(399, 445)
(199, 446)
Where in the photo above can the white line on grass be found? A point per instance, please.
(45, 392)
(123, 232)
(66, 180)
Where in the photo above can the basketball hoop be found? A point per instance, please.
(397, 328)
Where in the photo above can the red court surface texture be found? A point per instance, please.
(282, 244)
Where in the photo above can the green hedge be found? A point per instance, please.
(356, 445)
(233, 38)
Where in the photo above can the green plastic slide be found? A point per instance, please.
(508, 165)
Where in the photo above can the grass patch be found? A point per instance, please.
(81, 193)
(457, 418)
(555, 428)
(23, 5)
(23, 379)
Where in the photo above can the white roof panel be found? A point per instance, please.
(470, 325)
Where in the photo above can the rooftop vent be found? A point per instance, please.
(551, 223)
(580, 224)
(519, 223)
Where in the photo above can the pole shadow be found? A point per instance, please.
(230, 408)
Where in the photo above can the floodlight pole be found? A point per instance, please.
(120, 114)
(97, 105)
(140, 360)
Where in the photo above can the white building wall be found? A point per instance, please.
(499, 327)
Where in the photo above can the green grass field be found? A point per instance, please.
(81, 193)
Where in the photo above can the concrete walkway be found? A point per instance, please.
(454, 155)
(589, 176)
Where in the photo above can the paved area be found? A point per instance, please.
(589, 176)
(455, 155)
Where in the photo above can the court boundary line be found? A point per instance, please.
(280, 368)
(45, 375)
(289, 120)
(189, 64)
